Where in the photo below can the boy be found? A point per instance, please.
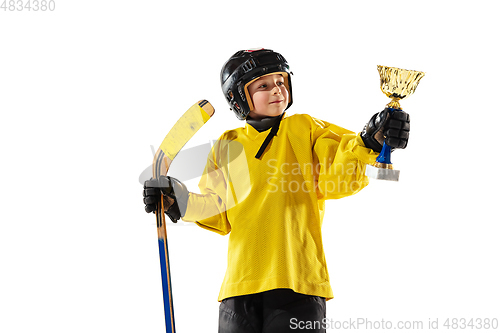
(265, 185)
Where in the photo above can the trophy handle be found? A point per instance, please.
(385, 154)
(382, 168)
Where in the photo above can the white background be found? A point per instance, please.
(85, 91)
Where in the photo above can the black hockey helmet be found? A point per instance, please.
(243, 68)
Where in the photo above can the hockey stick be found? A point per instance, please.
(190, 122)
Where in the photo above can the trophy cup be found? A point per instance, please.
(396, 83)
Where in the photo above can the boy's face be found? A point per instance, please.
(269, 96)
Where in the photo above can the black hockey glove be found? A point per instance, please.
(394, 127)
(175, 196)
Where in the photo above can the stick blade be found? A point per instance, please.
(184, 129)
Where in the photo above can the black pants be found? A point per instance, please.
(276, 311)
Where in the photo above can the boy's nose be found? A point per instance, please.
(276, 89)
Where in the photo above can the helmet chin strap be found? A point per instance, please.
(263, 125)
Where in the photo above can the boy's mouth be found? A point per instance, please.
(276, 102)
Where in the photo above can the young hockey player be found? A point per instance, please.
(265, 185)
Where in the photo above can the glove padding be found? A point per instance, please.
(175, 196)
(394, 126)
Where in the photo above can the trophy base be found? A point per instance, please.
(382, 171)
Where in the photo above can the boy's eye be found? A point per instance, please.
(279, 83)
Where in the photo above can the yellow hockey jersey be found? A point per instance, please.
(273, 207)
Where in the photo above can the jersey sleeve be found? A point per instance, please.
(341, 159)
(208, 209)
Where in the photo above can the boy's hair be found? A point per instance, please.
(244, 67)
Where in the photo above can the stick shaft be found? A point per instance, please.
(179, 135)
(161, 167)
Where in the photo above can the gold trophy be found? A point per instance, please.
(396, 83)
